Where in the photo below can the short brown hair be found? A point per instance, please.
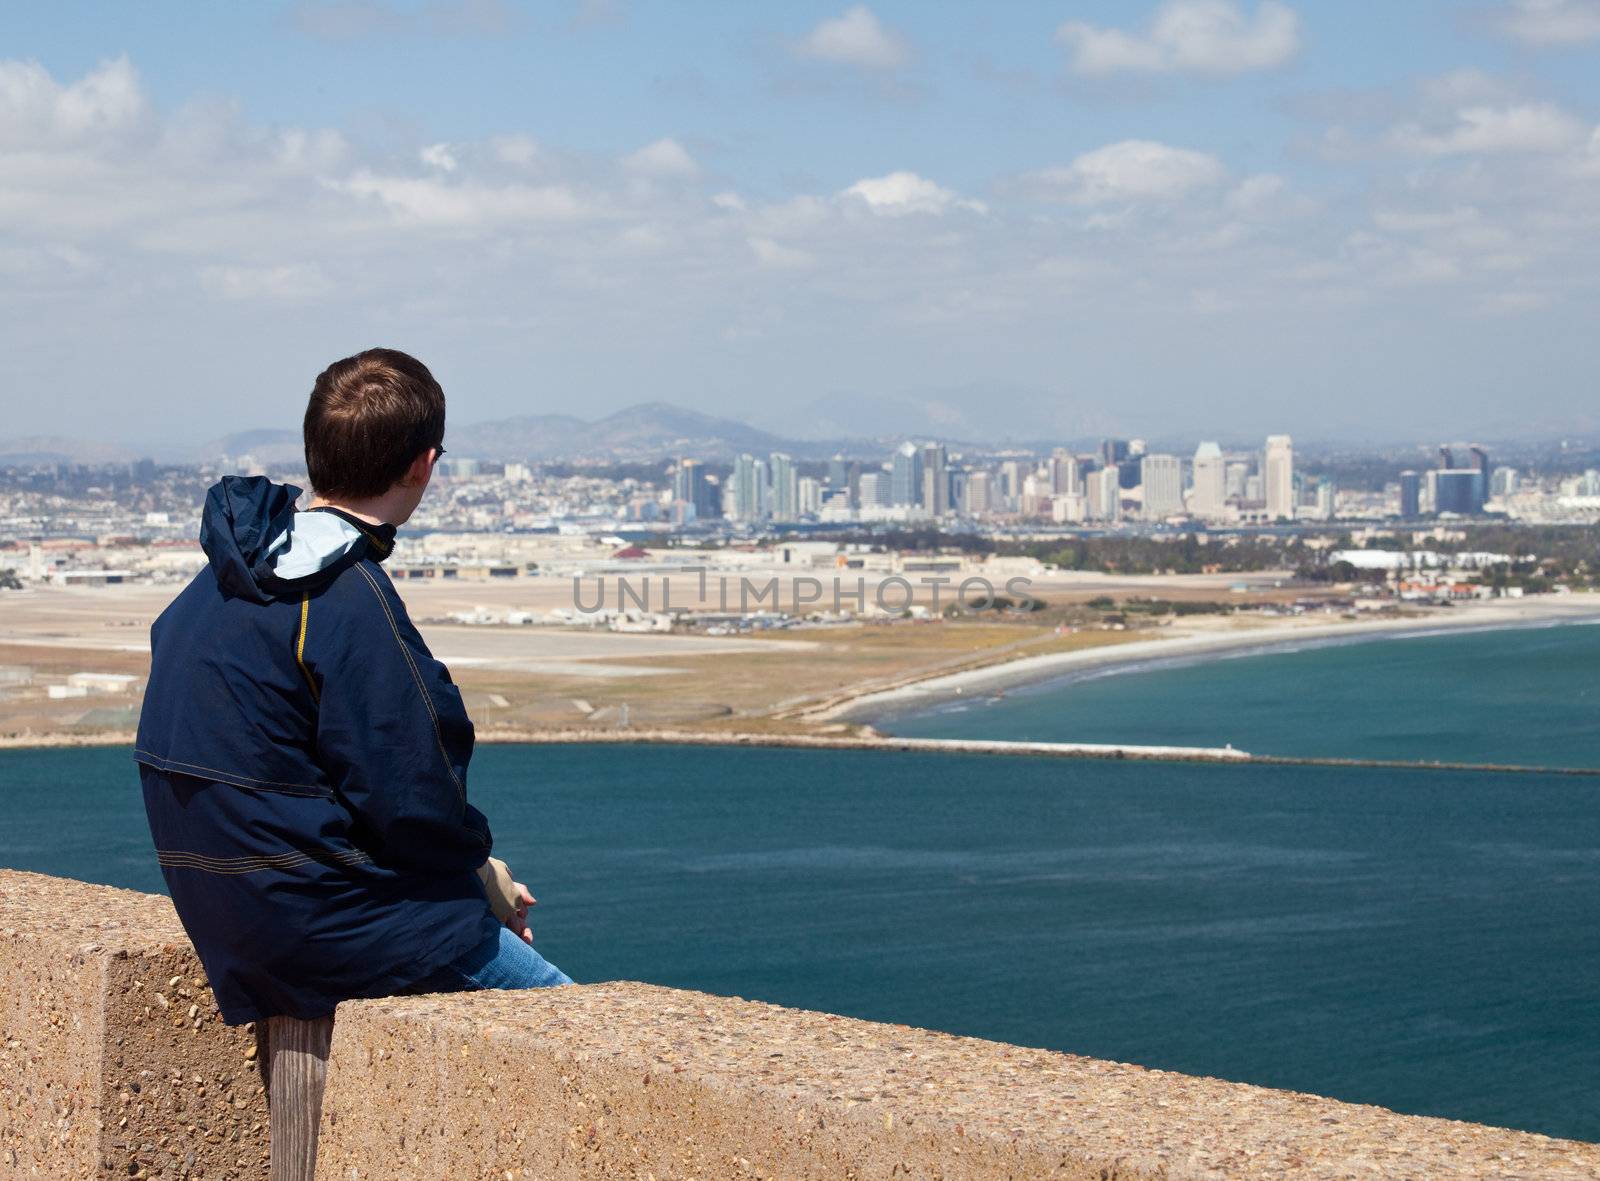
(370, 416)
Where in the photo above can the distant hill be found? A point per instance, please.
(264, 446)
(36, 450)
(650, 430)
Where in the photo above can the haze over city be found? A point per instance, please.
(1201, 217)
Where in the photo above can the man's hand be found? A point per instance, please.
(508, 899)
(518, 922)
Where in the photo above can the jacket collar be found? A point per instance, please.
(380, 538)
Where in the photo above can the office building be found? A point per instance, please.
(808, 498)
(1162, 478)
(1103, 494)
(1278, 477)
(1410, 494)
(935, 480)
(978, 495)
(692, 485)
(906, 475)
(749, 489)
(1458, 491)
(785, 502)
(1210, 497)
(1064, 479)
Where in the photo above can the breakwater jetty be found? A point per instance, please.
(866, 740)
(114, 1063)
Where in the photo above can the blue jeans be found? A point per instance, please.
(498, 960)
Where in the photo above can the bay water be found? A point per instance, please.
(1424, 940)
(1527, 696)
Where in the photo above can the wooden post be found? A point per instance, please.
(297, 1071)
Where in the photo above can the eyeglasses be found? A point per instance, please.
(439, 454)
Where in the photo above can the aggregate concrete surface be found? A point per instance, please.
(114, 1061)
(631, 1080)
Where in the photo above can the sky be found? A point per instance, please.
(1345, 219)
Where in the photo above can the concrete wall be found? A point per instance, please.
(101, 1078)
(113, 1059)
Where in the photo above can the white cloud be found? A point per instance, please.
(311, 151)
(426, 201)
(1255, 192)
(856, 38)
(777, 256)
(905, 192)
(1524, 127)
(1552, 22)
(519, 150)
(664, 158)
(438, 156)
(1132, 170)
(34, 108)
(1188, 36)
(125, 230)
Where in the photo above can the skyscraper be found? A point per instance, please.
(1064, 473)
(1278, 473)
(935, 480)
(1325, 495)
(1104, 494)
(1458, 490)
(1410, 494)
(785, 503)
(979, 494)
(808, 501)
(1210, 482)
(838, 472)
(1162, 477)
(750, 489)
(692, 485)
(906, 477)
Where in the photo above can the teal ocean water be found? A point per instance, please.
(1425, 940)
(1526, 696)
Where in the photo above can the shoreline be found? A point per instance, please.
(874, 707)
(849, 719)
(870, 741)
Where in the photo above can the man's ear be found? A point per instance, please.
(419, 471)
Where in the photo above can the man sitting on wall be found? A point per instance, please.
(303, 755)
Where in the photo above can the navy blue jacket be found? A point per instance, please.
(304, 763)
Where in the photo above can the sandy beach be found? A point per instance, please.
(1205, 636)
(833, 681)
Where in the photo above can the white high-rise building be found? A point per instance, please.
(785, 487)
(1104, 494)
(1064, 474)
(1278, 477)
(1326, 495)
(874, 489)
(979, 495)
(1237, 480)
(750, 489)
(1162, 479)
(1210, 496)
(808, 501)
(1012, 472)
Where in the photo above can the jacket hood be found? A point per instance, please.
(261, 549)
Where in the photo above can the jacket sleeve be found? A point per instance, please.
(392, 734)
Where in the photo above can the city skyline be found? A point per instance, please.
(1341, 221)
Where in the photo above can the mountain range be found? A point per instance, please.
(973, 419)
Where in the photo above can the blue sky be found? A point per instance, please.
(1344, 219)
